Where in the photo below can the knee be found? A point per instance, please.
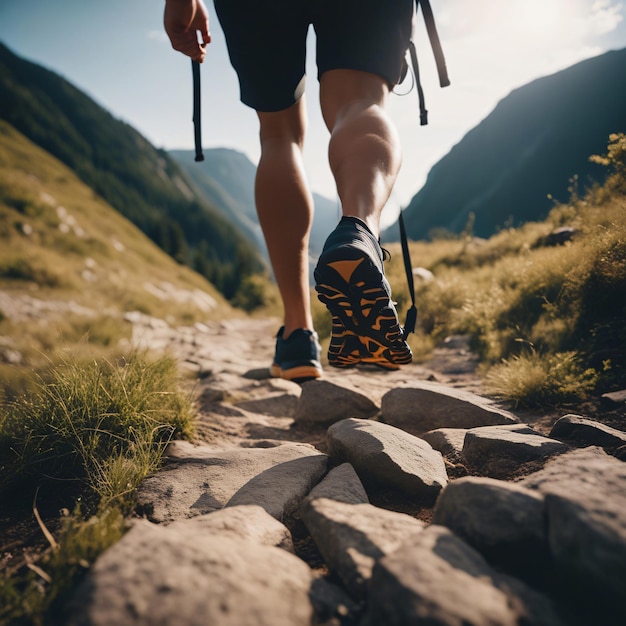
(286, 127)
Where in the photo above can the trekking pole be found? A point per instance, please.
(197, 128)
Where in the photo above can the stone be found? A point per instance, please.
(200, 479)
(249, 522)
(341, 484)
(278, 404)
(614, 398)
(502, 520)
(435, 578)
(352, 537)
(427, 406)
(585, 499)
(583, 431)
(449, 441)
(384, 454)
(280, 489)
(325, 402)
(169, 576)
(496, 449)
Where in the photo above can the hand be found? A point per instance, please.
(183, 19)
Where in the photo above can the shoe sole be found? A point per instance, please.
(302, 373)
(365, 327)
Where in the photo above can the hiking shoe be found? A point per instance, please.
(297, 358)
(350, 281)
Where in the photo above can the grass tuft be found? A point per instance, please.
(105, 425)
(534, 380)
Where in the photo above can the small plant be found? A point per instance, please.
(534, 380)
(79, 423)
(105, 425)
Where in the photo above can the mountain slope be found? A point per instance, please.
(226, 178)
(511, 167)
(141, 182)
(71, 265)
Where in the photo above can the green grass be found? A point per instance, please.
(103, 425)
(547, 322)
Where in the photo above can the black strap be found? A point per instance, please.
(418, 85)
(440, 60)
(197, 128)
(444, 81)
(435, 44)
(411, 314)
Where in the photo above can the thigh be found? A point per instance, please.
(365, 35)
(266, 42)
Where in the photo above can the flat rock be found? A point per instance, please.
(325, 402)
(201, 479)
(427, 406)
(503, 521)
(167, 576)
(585, 498)
(435, 578)
(352, 537)
(249, 522)
(448, 441)
(341, 484)
(615, 398)
(384, 454)
(496, 449)
(583, 431)
(276, 404)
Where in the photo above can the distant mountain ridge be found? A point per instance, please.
(141, 182)
(226, 178)
(512, 167)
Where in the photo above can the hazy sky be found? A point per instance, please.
(117, 52)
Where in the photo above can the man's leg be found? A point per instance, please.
(364, 155)
(285, 208)
(364, 150)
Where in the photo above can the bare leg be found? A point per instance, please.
(285, 208)
(364, 150)
(364, 155)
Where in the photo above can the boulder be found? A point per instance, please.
(427, 406)
(449, 441)
(352, 537)
(498, 449)
(384, 454)
(503, 521)
(585, 499)
(201, 479)
(325, 402)
(583, 431)
(435, 578)
(341, 484)
(246, 522)
(173, 577)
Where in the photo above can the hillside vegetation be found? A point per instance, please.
(507, 169)
(142, 183)
(546, 320)
(71, 266)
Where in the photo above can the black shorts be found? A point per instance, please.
(267, 42)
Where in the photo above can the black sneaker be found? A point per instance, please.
(297, 358)
(350, 281)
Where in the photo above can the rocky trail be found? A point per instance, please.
(365, 498)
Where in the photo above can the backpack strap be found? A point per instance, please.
(440, 60)
(444, 81)
(431, 29)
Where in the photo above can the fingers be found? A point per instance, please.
(189, 46)
(183, 20)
